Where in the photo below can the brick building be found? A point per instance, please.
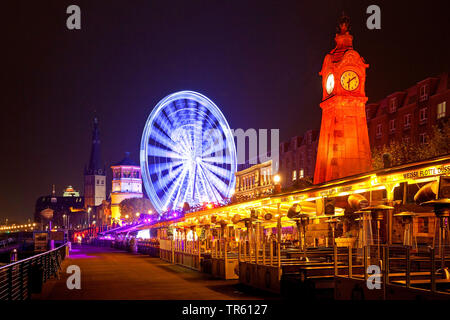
(298, 158)
(409, 115)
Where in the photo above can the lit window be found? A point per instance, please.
(423, 138)
(423, 115)
(392, 125)
(301, 173)
(407, 120)
(294, 175)
(379, 128)
(441, 109)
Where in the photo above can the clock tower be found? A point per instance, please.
(344, 148)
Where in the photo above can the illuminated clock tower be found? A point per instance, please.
(344, 148)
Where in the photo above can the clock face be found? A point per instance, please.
(349, 80)
(329, 86)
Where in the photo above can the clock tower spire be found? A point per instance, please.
(344, 148)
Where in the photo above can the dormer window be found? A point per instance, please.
(424, 90)
(393, 105)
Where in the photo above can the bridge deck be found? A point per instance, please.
(110, 274)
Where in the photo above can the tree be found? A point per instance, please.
(132, 206)
(401, 152)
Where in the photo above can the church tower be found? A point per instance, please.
(344, 148)
(94, 173)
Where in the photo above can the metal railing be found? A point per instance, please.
(20, 279)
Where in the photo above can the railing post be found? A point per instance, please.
(245, 250)
(256, 251)
(10, 282)
(365, 262)
(408, 266)
(433, 271)
(387, 264)
(21, 280)
(335, 259)
(264, 253)
(271, 252)
(279, 260)
(350, 261)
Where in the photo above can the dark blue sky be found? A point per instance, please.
(257, 60)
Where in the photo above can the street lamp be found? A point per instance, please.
(276, 180)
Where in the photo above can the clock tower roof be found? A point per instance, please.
(343, 38)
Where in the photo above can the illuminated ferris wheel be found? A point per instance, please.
(187, 152)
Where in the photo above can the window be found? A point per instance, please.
(392, 125)
(98, 181)
(393, 105)
(423, 93)
(379, 128)
(294, 175)
(441, 109)
(423, 115)
(407, 120)
(406, 140)
(423, 138)
(301, 174)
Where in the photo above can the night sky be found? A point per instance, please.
(257, 60)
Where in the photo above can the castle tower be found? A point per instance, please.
(126, 183)
(94, 173)
(344, 148)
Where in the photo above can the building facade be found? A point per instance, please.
(95, 173)
(409, 116)
(65, 211)
(126, 183)
(298, 158)
(254, 181)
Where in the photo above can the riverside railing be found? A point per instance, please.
(20, 279)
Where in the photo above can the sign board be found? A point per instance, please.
(40, 241)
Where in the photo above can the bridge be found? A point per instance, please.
(108, 273)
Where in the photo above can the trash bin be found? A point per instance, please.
(37, 278)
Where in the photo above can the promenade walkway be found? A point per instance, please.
(111, 274)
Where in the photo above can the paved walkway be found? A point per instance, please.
(111, 274)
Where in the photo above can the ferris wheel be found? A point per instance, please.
(187, 152)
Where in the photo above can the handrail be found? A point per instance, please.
(33, 257)
(18, 280)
